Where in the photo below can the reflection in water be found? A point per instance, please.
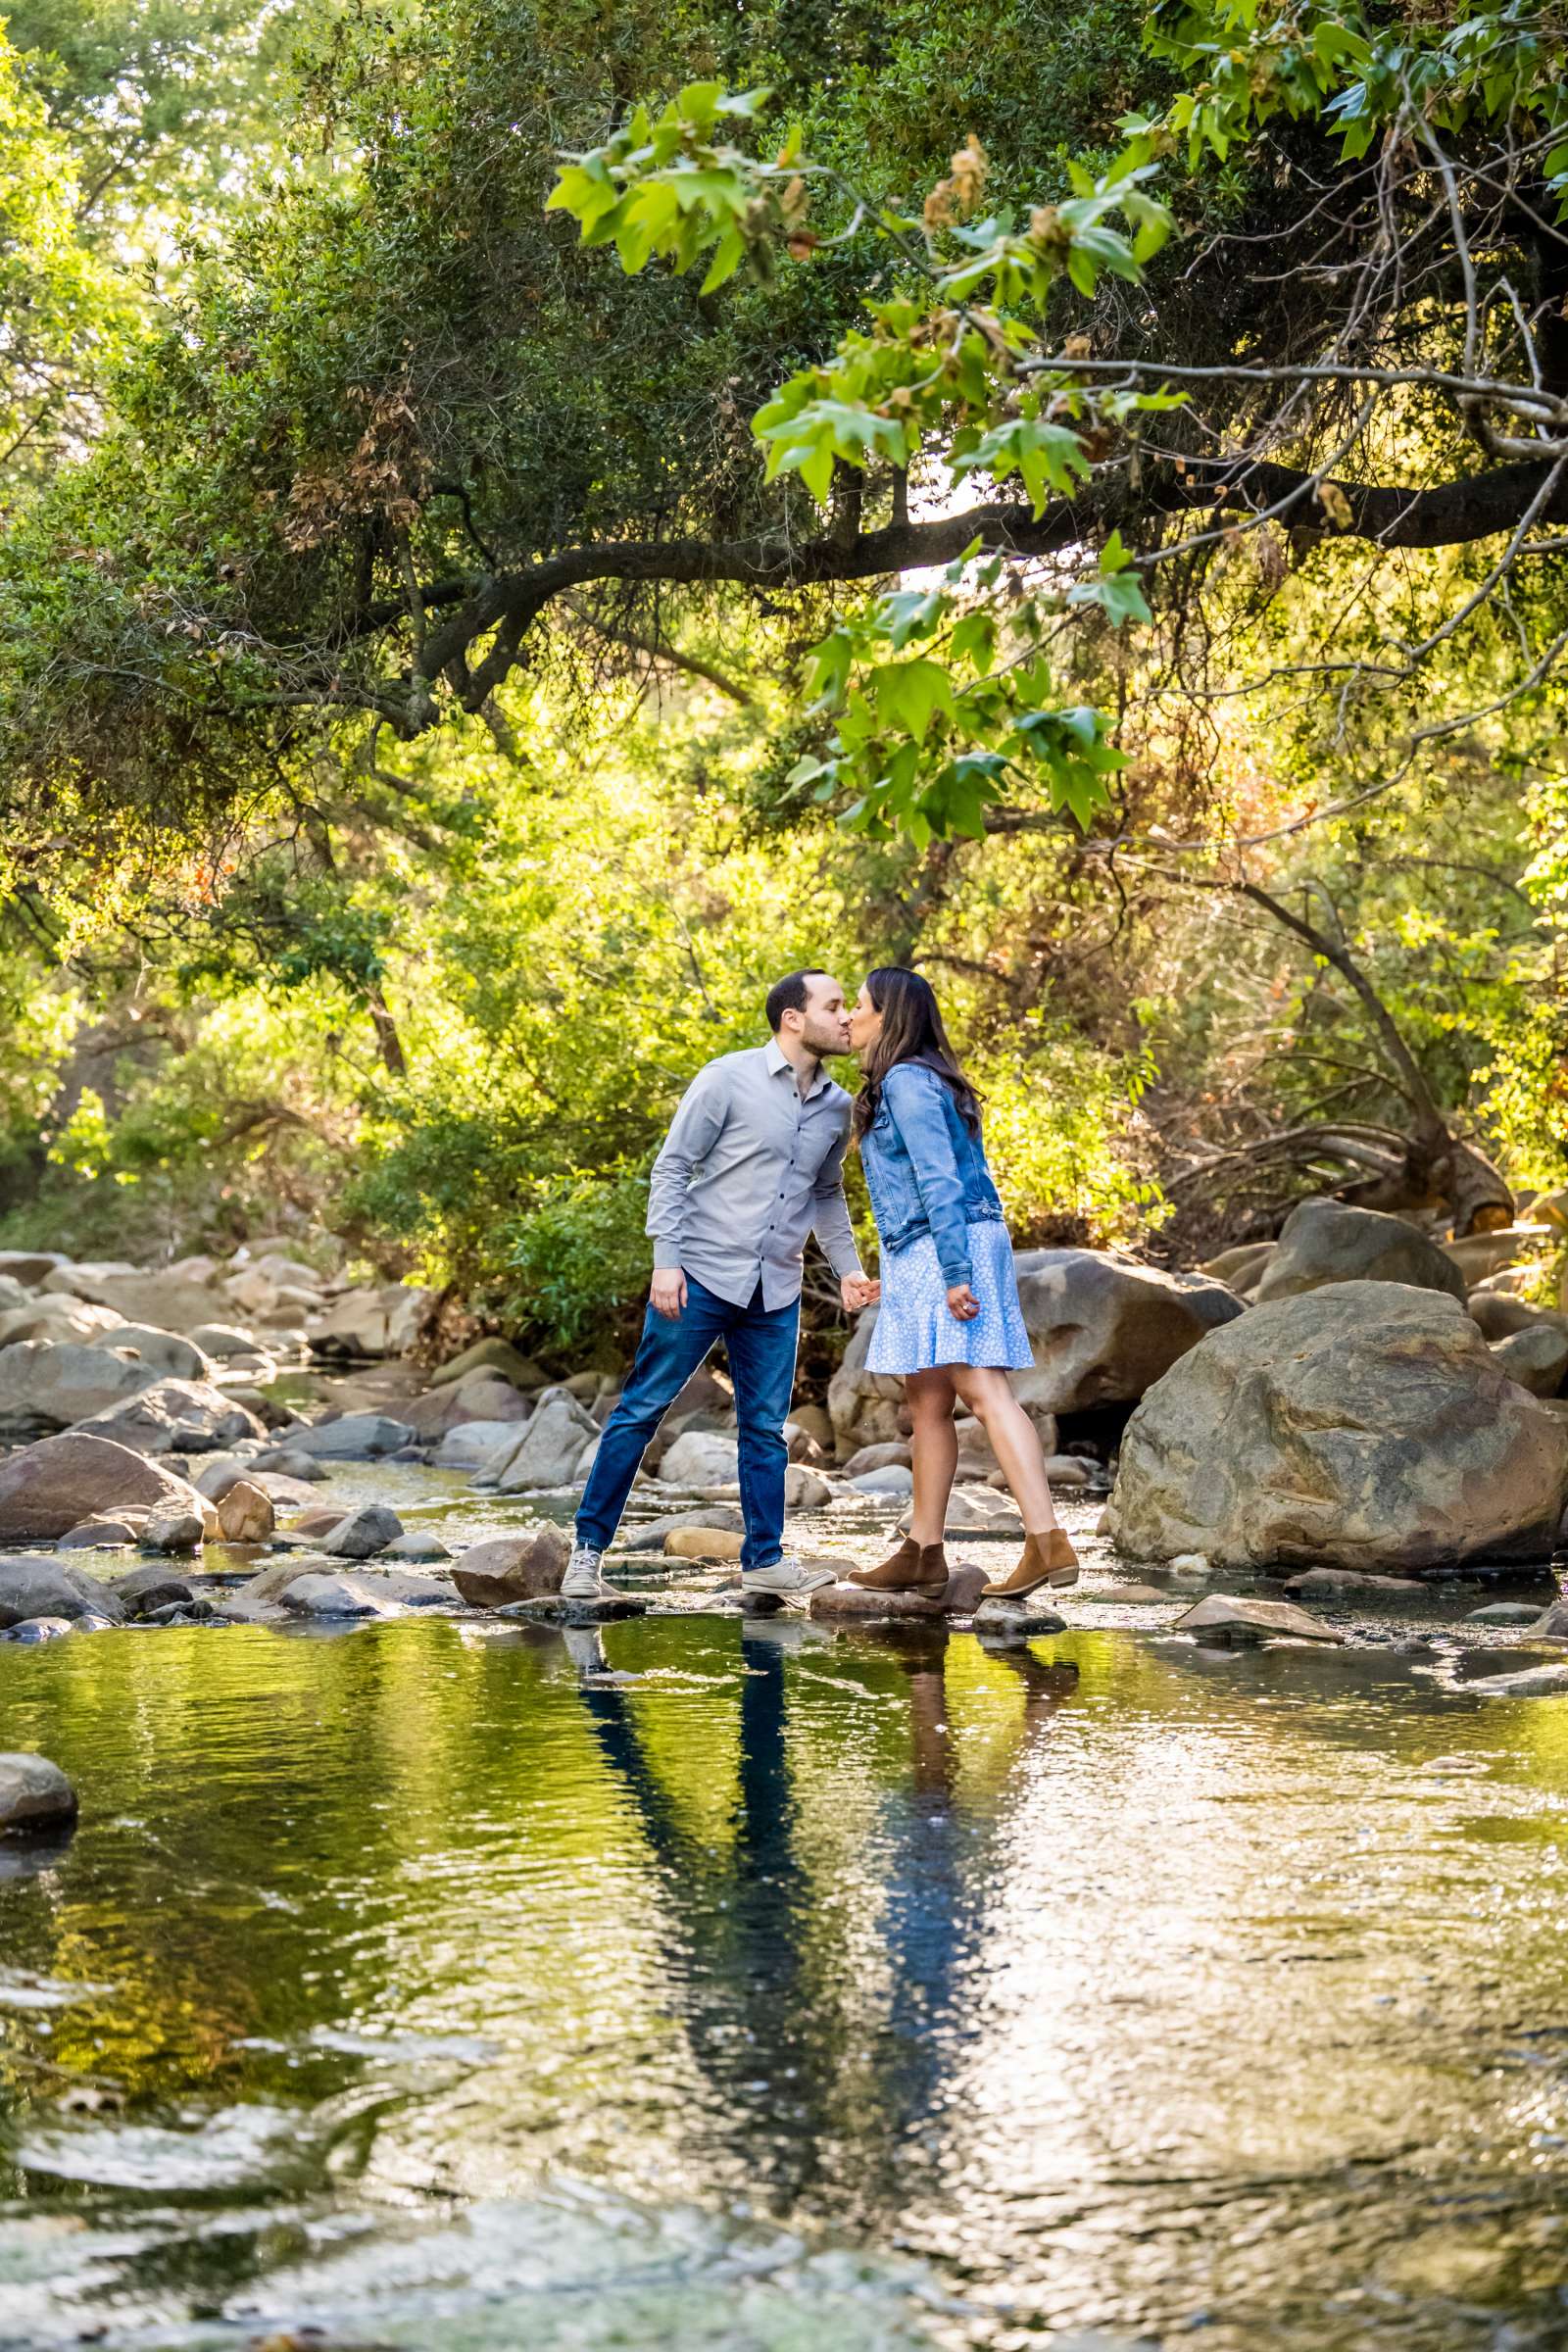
(715, 1986)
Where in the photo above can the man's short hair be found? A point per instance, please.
(789, 994)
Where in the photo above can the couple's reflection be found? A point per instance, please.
(822, 2057)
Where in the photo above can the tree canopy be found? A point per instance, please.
(1081, 494)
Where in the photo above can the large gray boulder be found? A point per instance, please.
(32, 1584)
(176, 1416)
(550, 1447)
(149, 1299)
(1102, 1329)
(1324, 1241)
(41, 1316)
(53, 1383)
(1364, 1425)
(61, 1481)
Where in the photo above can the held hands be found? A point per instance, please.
(857, 1291)
(963, 1303)
(667, 1294)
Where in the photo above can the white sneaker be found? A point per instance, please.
(785, 1577)
(582, 1580)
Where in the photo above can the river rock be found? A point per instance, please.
(1018, 1620)
(351, 1438)
(1360, 1425)
(701, 1457)
(846, 1603)
(258, 1600)
(804, 1490)
(975, 1511)
(650, 1537)
(1352, 1584)
(509, 1568)
(893, 1478)
(35, 1795)
(363, 1533)
(51, 1317)
(147, 1298)
(246, 1514)
(1102, 1326)
(372, 1323)
(152, 1588)
(550, 1448)
(32, 1584)
(1498, 1317)
(1325, 1242)
(314, 1595)
(30, 1268)
(221, 1341)
(56, 1384)
(494, 1355)
(164, 1351)
(703, 1543)
(1480, 1254)
(1552, 1622)
(817, 1423)
(421, 1544)
(1222, 1617)
(1532, 1681)
(474, 1445)
(1505, 1613)
(1536, 1358)
(214, 1479)
(61, 1481)
(288, 1462)
(32, 1630)
(174, 1416)
(174, 1531)
(103, 1534)
(1239, 1269)
(891, 1455)
(485, 1398)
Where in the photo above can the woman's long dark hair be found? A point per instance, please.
(912, 1031)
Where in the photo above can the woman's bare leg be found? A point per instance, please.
(1014, 1441)
(934, 1448)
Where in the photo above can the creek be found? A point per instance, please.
(712, 1984)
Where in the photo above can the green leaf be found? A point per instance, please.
(909, 694)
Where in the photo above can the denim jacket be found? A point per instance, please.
(925, 1173)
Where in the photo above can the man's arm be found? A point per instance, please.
(830, 1220)
(692, 1132)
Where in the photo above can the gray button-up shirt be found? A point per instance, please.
(749, 1166)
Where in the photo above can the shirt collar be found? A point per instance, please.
(778, 1059)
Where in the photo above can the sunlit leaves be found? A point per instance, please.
(940, 709)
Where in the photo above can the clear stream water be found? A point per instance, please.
(435, 1983)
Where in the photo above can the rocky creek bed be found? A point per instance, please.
(694, 1982)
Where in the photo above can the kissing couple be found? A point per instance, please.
(752, 1161)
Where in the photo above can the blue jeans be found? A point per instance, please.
(760, 1345)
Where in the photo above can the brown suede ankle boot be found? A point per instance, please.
(912, 1568)
(1047, 1560)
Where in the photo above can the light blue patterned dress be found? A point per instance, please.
(915, 1331)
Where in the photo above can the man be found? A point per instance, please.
(754, 1160)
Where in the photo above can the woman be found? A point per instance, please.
(950, 1320)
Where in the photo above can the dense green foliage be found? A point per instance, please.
(1068, 498)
